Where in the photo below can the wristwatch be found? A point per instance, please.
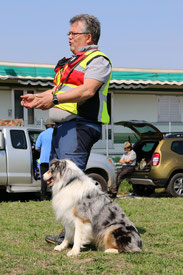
(55, 100)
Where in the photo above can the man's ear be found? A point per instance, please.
(89, 40)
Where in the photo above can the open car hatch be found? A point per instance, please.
(142, 128)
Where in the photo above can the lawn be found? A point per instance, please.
(23, 226)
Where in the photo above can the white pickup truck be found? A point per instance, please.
(17, 173)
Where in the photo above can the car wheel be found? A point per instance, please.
(99, 181)
(175, 186)
(142, 190)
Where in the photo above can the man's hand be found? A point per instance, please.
(28, 100)
(38, 101)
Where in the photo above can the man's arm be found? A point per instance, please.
(38, 143)
(44, 100)
(130, 159)
(123, 161)
(97, 72)
(126, 160)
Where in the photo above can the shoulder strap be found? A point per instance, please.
(61, 63)
(73, 69)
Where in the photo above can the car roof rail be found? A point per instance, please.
(173, 135)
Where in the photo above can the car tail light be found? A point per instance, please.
(155, 159)
(111, 161)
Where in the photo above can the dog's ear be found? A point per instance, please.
(54, 164)
(58, 166)
(63, 164)
(54, 161)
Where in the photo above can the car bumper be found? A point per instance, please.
(156, 182)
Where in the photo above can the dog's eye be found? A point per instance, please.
(52, 168)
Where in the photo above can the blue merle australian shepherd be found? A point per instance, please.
(88, 214)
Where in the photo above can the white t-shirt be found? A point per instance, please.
(130, 155)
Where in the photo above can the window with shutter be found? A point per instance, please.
(169, 109)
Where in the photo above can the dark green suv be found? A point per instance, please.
(159, 160)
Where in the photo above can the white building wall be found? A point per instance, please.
(5, 104)
(138, 107)
(181, 101)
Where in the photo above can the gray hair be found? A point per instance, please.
(91, 25)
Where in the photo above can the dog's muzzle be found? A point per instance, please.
(48, 178)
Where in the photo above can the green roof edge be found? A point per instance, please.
(15, 71)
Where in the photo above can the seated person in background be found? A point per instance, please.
(128, 161)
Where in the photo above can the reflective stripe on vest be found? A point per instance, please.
(77, 77)
(70, 107)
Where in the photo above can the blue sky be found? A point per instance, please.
(135, 33)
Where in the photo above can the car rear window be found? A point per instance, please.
(18, 139)
(177, 147)
(148, 146)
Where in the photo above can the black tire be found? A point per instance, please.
(99, 181)
(143, 190)
(175, 186)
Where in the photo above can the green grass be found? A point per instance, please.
(125, 188)
(23, 226)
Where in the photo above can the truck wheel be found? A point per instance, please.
(142, 190)
(175, 186)
(99, 181)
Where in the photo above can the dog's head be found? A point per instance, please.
(56, 170)
(61, 170)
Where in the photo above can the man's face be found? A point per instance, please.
(79, 40)
(127, 150)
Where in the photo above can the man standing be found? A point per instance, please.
(43, 145)
(78, 102)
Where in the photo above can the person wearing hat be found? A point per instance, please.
(128, 161)
(43, 145)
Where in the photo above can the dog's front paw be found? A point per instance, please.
(62, 246)
(73, 252)
(58, 248)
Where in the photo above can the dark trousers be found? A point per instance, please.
(44, 167)
(74, 139)
(121, 175)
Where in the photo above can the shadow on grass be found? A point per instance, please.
(141, 230)
(160, 193)
(126, 191)
(23, 197)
